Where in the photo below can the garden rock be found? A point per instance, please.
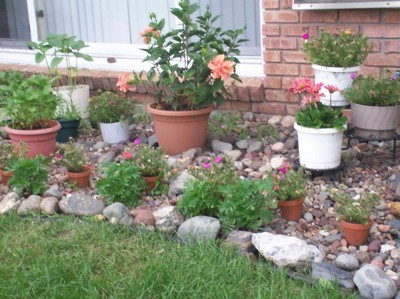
(249, 116)
(143, 217)
(177, 185)
(9, 203)
(255, 146)
(81, 205)
(277, 161)
(274, 120)
(394, 208)
(233, 155)
(152, 140)
(203, 228)
(241, 240)
(347, 262)
(220, 147)
(332, 273)
(49, 205)
(278, 147)
(168, 219)
(53, 192)
(107, 157)
(31, 204)
(120, 212)
(372, 282)
(242, 144)
(288, 121)
(285, 250)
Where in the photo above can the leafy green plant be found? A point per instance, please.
(122, 183)
(343, 49)
(374, 91)
(30, 174)
(290, 184)
(72, 156)
(67, 110)
(10, 154)
(109, 107)
(267, 130)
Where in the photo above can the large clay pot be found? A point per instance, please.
(179, 131)
(291, 209)
(356, 234)
(79, 96)
(81, 178)
(38, 142)
(115, 132)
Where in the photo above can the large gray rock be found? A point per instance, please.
(107, 157)
(242, 144)
(31, 204)
(241, 240)
(9, 203)
(177, 185)
(119, 211)
(286, 251)
(347, 262)
(372, 282)
(255, 146)
(53, 192)
(49, 205)
(199, 228)
(333, 273)
(220, 147)
(81, 205)
(168, 219)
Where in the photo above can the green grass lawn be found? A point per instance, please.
(68, 257)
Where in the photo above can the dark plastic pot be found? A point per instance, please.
(69, 128)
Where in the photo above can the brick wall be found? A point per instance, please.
(282, 32)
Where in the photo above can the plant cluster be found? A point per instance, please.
(290, 184)
(28, 103)
(10, 154)
(30, 174)
(343, 49)
(355, 210)
(121, 182)
(109, 107)
(151, 161)
(313, 114)
(72, 156)
(216, 190)
(370, 90)
(189, 63)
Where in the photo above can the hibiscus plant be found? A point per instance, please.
(190, 63)
(313, 114)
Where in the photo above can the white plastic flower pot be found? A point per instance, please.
(115, 132)
(80, 97)
(338, 76)
(319, 149)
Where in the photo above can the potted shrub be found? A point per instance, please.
(9, 155)
(30, 107)
(319, 127)
(72, 157)
(355, 213)
(61, 47)
(112, 112)
(375, 105)
(152, 162)
(69, 118)
(189, 65)
(335, 57)
(290, 188)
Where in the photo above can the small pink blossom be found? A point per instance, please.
(127, 155)
(220, 68)
(283, 170)
(306, 36)
(331, 88)
(58, 156)
(394, 77)
(137, 141)
(353, 76)
(218, 160)
(276, 187)
(206, 165)
(301, 84)
(309, 99)
(123, 82)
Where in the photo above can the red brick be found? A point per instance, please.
(241, 106)
(293, 56)
(281, 43)
(337, 27)
(273, 82)
(269, 108)
(306, 70)
(287, 82)
(292, 109)
(286, 4)
(369, 70)
(243, 92)
(272, 56)
(294, 30)
(381, 31)
(392, 16)
(377, 45)
(362, 16)
(318, 16)
(280, 96)
(391, 46)
(256, 89)
(281, 69)
(385, 60)
(281, 16)
(271, 30)
(270, 4)
(233, 92)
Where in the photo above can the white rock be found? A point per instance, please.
(288, 121)
(168, 219)
(9, 203)
(274, 120)
(277, 161)
(386, 248)
(233, 155)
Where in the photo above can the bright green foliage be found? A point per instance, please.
(320, 117)
(10, 154)
(72, 156)
(30, 174)
(122, 183)
(151, 161)
(290, 184)
(343, 49)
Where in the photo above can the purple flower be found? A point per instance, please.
(353, 75)
(218, 160)
(394, 77)
(137, 141)
(306, 36)
(59, 156)
(283, 170)
(206, 165)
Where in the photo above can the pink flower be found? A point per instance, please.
(301, 84)
(353, 76)
(127, 155)
(148, 33)
(137, 141)
(276, 187)
(220, 68)
(59, 156)
(218, 160)
(123, 82)
(394, 77)
(331, 88)
(206, 165)
(309, 99)
(283, 170)
(306, 36)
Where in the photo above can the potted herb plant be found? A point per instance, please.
(112, 111)
(30, 107)
(319, 127)
(375, 105)
(69, 118)
(9, 155)
(72, 156)
(355, 213)
(335, 57)
(190, 65)
(290, 188)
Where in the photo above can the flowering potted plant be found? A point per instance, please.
(189, 65)
(375, 105)
(9, 155)
(152, 162)
(290, 187)
(30, 106)
(72, 156)
(335, 57)
(319, 127)
(355, 213)
(112, 112)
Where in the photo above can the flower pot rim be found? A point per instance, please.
(55, 127)
(336, 69)
(357, 225)
(114, 122)
(87, 169)
(318, 131)
(290, 202)
(152, 110)
(75, 87)
(375, 107)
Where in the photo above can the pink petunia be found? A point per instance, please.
(218, 160)
(276, 187)
(127, 155)
(206, 165)
(220, 68)
(59, 156)
(283, 170)
(123, 82)
(353, 76)
(306, 36)
(137, 141)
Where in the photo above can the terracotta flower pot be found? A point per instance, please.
(150, 181)
(178, 131)
(81, 178)
(355, 234)
(5, 176)
(291, 209)
(38, 142)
